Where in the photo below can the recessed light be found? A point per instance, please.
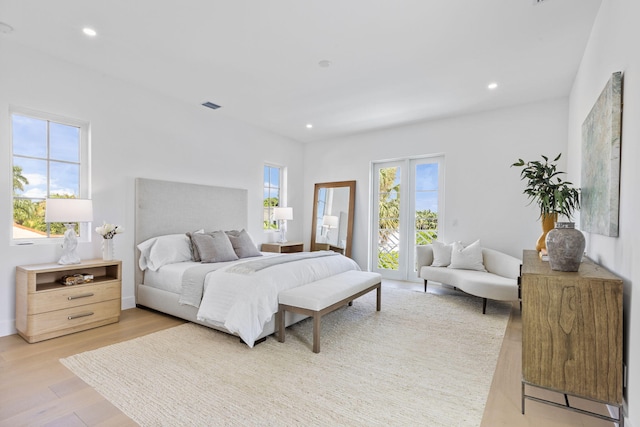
(325, 63)
(89, 31)
(309, 125)
(492, 85)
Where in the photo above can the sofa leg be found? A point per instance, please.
(484, 305)
(425, 285)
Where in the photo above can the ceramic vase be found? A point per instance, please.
(565, 246)
(548, 222)
(107, 249)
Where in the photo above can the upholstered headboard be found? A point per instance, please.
(165, 207)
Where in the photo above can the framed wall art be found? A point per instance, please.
(600, 184)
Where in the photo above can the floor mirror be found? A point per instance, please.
(332, 223)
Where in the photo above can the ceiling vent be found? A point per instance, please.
(211, 105)
(535, 2)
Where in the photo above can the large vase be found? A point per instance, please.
(565, 246)
(548, 222)
(107, 249)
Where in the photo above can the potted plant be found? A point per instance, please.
(552, 195)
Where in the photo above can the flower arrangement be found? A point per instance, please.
(107, 231)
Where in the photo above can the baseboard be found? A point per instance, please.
(129, 302)
(7, 327)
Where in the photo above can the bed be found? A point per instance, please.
(238, 297)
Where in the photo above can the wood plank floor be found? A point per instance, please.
(36, 390)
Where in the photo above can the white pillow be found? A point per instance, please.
(441, 254)
(163, 250)
(469, 258)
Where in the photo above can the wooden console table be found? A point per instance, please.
(572, 334)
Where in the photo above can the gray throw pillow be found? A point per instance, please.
(214, 247)
(243, 244)
(195, 255)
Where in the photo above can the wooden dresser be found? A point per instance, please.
(45, 308)
(572, 332)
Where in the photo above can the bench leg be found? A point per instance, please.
(280, 323)
(484, 305)
(316, 332)
(379, 297)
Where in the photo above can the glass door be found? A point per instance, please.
(407, 211)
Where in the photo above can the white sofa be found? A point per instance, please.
(499, 282)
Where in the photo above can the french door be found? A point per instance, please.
(407, 211)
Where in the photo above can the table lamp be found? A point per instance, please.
(282, 215)
(69, 212)
(329, 222)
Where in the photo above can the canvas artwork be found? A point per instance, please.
(600, 185)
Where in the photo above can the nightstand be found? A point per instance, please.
(283, 248)
(329, 247)
(46, 308)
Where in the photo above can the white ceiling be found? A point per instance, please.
(393, 62)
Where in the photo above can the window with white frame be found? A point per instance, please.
(50, 159)
(273, 194)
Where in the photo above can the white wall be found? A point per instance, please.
(134, 133)
(483, 194)
(613, 46)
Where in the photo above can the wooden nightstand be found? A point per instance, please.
(283, 248)
(45, 308)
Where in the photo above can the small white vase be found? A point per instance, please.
(107, 249)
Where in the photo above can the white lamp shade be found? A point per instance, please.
(69, 210)
(282, 214)
(330, 221)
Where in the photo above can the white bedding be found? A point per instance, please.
(169, 277)
(244, 303)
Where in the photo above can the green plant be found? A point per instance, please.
(547, 189)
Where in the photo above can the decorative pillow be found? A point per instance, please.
(469, 258)
(214, 247)
(195, 255)
(441, 253)
(163, 250)
(243, 244)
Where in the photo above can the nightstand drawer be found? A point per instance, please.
(55, 323)
(72, 296)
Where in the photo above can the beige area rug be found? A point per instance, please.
(424, 360)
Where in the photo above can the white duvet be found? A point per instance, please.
(244, 303)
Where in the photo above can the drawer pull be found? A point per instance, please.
(76, 316)
(87, 295)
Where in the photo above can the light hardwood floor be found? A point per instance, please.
(35, 389)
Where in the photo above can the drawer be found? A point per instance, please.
(72, 296)
(73, 319)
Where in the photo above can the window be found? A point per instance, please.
(272, 195)
(50, 160)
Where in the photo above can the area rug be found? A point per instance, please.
(425, 359)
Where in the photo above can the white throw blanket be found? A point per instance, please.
(244, 303)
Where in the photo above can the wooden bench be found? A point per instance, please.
(323, 296)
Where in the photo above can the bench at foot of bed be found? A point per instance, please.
(324, 296)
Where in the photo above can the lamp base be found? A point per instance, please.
(69, 245)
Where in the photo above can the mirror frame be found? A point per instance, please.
(351, 185)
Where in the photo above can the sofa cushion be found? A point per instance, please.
(469, 258)
(479, 283)
(441, 253)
